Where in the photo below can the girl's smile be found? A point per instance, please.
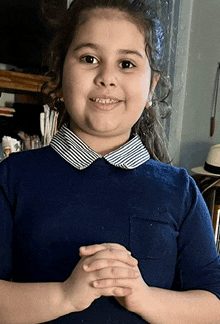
(106, 78)
(105, 104)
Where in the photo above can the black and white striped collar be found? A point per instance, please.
(71, 148)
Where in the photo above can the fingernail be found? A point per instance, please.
(85, 266)
(134, 260)
(136, 273)
(95, 284)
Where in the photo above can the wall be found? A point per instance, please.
(180, 78)
(203, 58)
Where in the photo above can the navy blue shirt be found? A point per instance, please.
(48, 209)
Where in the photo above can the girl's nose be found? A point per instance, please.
(106, 77)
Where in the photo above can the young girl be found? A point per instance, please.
(93, 228)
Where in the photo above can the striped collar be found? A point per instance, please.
(71, 148)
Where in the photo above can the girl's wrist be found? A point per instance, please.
(145, 304)
(66, 305)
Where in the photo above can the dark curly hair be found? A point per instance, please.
(150, 125)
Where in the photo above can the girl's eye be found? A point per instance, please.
(90, 59)
(126, 65)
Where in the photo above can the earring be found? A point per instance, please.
(149, 104)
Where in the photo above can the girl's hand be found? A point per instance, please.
(104, 263)
(135, 300)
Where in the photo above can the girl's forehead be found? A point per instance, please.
(107, 13)
(111, 14)
(110, 36)
(97, 22)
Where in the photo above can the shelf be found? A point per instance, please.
(16, 82)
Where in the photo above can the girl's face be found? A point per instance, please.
(106, 77)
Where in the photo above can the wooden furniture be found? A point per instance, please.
(16, 82)
(26, 87)
(29, 89)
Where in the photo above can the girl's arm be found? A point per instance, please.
(162, 306)
(31, 302)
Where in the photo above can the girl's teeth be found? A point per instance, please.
(105, 101)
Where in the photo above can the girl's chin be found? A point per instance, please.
(99, 128)
(101, 132)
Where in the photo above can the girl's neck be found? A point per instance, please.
(101, 144)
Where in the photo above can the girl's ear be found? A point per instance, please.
(153, 85)
(155, 79)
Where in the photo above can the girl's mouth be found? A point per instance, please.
(105, 104)
(105, 101)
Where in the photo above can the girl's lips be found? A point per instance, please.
(105, 99)
(105, 105)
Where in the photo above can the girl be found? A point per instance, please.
(93, 230)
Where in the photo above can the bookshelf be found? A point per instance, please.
(28, 92)
(17, 82)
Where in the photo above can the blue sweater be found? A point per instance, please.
(48, 209)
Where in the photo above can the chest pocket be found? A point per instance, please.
(153, 238)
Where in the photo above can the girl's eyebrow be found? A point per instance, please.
(97, 47)
(134, 52)
(82, 45)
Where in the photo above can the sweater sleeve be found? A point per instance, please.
(198, 264)
(6, 225)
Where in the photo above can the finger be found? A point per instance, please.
(114, 254)
(115, 291)
(115, 246)
(116, 273)
(98, 264)
(110, 283)
(111, 254)
(92, 249)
